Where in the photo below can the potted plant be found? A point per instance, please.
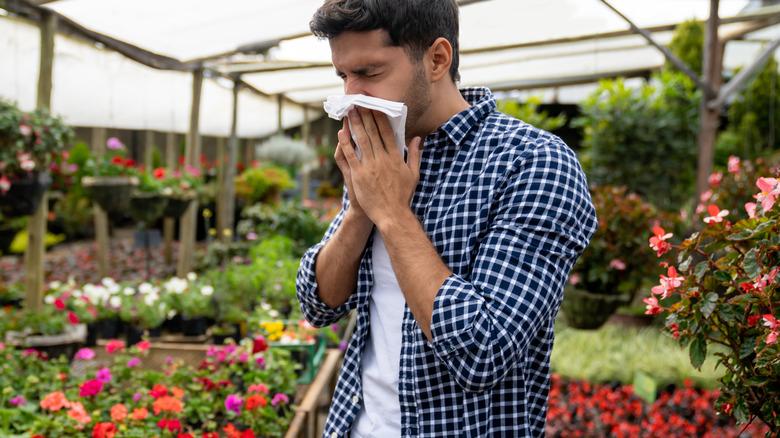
(147, 201)
(263, 183)
(110, 178)
(52, 329)
(28, 143)
(193, 300)
(615, 264)
(180, 187)
(143, 310)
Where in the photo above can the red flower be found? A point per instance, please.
(185, 435)
(73, 318)
(247, 434)
(143, 345)
(114, 345)
(231, 431)
(117, 160)
(210, 435)
(129, 162)
(90, 388)
(170, 425)
(158, 391)
(159, 173)
(259, 345)
(59, 304)
(104, 430)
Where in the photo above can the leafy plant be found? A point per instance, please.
(529, 113)
(725, 286)
(112, 163)
(264, 183)
(630, 135)
(289, 219)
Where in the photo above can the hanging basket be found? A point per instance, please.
(177, 205)
(24, 196)
(588, 310)
(111, 193)
(147, 207)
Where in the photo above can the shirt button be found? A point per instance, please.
(355, 399)
(334, 435)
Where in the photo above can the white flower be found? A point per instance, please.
(48, 299)
(55, 285)
(150, 299)
(171, 313)
(145, 288)
(273, 313)
(129, 291)
(115, 302)
(192, 276)
(207, 290)
(265, 306)
(176, 285)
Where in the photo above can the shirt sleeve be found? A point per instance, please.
(542, 220)
(316, 312)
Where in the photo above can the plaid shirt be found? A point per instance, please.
(507, 207)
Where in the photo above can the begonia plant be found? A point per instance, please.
(722, 297)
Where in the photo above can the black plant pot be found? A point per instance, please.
(147, 207)
(173, 325)
(111, 328)
(176, 207)
(133, 334)
(193, 326)
(111, 193)
(93, 330)
(24, 196)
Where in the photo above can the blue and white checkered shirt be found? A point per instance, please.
(507, 207)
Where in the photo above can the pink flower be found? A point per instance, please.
(25, 130)
(133, 362)
(652, 306)
(617, 264)
(103, 375)
(90, 388)
(733, 165)
(258, 387)
(114, 144)
(114, 345)
(668, 283)
(84, 354)
(234, 403)
(5, 185)
(773, 325)
(769, 191)
(658, 241)
(280, 398)
(750, 207)
(18, 401)
(59, 304)
(574, 279)
(706, 195)
(715, 179)
(716, 214)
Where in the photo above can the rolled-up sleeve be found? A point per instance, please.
(314, 310)
(541, 219)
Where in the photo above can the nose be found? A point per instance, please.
(352, 86)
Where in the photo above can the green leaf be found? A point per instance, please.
(708, 304)
(698, 351)
(722, 276)
(757, 381)
(751, 265)
(701, 269)
(748, 347)
(726, 313)
(684, 264)
(741, 412)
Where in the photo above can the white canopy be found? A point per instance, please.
(505, 44)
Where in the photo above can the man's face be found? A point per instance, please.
(369, 65)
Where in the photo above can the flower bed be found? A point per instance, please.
(235, 391)
(578, 408)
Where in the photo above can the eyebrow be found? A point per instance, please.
(359, 71)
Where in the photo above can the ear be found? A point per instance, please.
(440, 58)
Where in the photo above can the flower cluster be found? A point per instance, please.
(28, 142)
(724, 291)
(234, 392)
(112, 163)
(582, 409)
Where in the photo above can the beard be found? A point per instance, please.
(418, 101)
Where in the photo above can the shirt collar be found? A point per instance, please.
(482, 103)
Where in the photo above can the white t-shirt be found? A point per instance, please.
(380, 415)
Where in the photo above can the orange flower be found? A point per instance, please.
(167, 403)
(55, 401)
(139, 414)
(254, 401)
(118, 412)
(177, 392)
(78, 413)
(231, 431)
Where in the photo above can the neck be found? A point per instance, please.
(446, 101)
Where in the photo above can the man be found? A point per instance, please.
(455, 258)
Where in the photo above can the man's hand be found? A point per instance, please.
(380, 181)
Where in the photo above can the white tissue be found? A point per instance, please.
(338, 106)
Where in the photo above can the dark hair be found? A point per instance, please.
(412, 24)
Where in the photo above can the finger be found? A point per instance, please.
(367, 132)
(386, 133)
(413, 160)
(348, 149)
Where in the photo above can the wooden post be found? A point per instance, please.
(36, 224)
(169, 224)
(221, 203)
(228, 187)
(712, 66)
(148, 150)
(280, 104)
(188, 222)
(98, 145)
(305, 179)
